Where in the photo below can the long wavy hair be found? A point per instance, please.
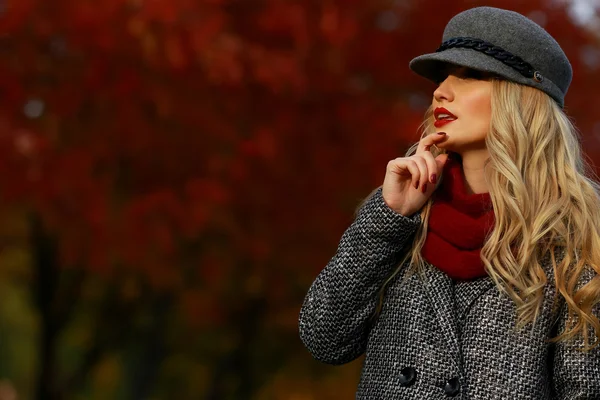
(546, 201)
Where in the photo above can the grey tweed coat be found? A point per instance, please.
(434, 338)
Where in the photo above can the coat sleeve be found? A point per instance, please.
(334, 318)
(577, 373)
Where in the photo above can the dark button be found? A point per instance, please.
(408, 376)
(452, 387)
(537, 77)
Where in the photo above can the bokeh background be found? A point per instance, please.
(175, 173)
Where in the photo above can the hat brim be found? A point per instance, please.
(432, 66)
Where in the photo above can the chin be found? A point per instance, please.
(446, 145)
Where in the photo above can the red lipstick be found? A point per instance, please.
(442, 117)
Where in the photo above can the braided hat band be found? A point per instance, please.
(497, 52)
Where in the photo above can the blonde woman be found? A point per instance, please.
(473, 271)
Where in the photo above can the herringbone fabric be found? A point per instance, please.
(450, 339)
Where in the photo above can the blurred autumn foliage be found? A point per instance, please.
(174, 174)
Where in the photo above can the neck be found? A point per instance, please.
(473, 163)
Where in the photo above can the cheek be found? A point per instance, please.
(480, 107)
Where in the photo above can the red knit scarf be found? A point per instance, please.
(458, 224)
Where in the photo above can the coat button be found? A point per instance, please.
(452, 387)
(407, 376)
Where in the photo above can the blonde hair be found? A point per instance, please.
(544, 200)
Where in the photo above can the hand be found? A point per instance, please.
(409, 181)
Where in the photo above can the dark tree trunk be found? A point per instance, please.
(153, 350)
(45, 262)
(240, 363)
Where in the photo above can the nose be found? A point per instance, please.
(445, 90)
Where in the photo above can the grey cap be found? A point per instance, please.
(502, 42)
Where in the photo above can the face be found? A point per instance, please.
(462, 109)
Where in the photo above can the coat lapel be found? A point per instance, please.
(439, 288)
(452, 303)
(466, 293)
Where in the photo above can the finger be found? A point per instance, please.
(402, 165)
(429, 140)
(423, 170)
(432, 166)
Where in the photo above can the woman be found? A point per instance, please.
(494, 209)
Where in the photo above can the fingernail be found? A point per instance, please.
(433, 178)
(424, 188)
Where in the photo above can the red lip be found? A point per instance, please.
(441, 122)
